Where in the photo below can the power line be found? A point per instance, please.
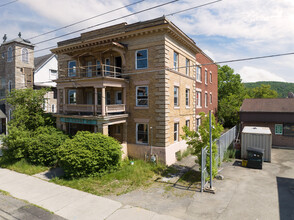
(87, 19)
(8, 3)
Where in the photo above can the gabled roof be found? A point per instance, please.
(40, 61)
(268, 105)
(19, 40)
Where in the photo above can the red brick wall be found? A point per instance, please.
(278, 140)
(210, 87)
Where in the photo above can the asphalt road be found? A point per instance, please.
(15, 209)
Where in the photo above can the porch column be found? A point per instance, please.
(64, 97)
(58, 101)
(103, 101)
(105, 129)
(95, 101)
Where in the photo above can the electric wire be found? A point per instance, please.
(8, 3)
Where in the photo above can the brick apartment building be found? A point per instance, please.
(134, 82)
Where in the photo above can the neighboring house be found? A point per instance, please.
(44, 74)
(16, 71)
(206, 86)
(277, 114)
(134, 82)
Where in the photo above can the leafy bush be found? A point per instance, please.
(42, 148)
(89, 154)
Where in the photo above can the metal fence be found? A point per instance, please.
(224, 142)
(204, 173)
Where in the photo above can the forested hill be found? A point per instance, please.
(282, 88)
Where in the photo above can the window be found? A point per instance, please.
(187, 67)
(188, 123)
(198, 73)
(198, 99)
(210, 98)
(288, 129)
(3, 55)
(205, 100)
(72, 65)
(142, 96)
(142, 59)
(107, 67)
(10, 114)
(108, 98)
(53, 108)
(2, 93)
(52, 74)
(72, 97)
(98, 68)
(25, 55)
(9, 86)
(9, 54)
(117, 129)
(176, 61)
(89, 69)
(279, 129)
(187, 97)
(176, 132)
(210, 77)
(99, 98)
(205, 76)
(142, 133)
(176, 96)
(118, 97)
(198, 123)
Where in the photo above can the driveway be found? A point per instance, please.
(243, 194)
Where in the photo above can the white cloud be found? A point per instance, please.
(252, 74)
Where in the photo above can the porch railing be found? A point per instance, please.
(115, 108)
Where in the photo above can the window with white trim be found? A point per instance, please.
(188, 123)
(141, 133)
(187, 67)
(198, 99)
(142, 96)
(72, 96)
(210, 98)
(107, 67)
(24, 55)
(176, 61)
(206, 76)
(210, 77)
(198, 73)
(89, 69)
(9, 54)
(198, 123)
(205, 99)
(176, 96)
(142, 59)
(176, 132)
(187, 97)
(52, 74)
(53, 108)
(72, 68)
(98, 68)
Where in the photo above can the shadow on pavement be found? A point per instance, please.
(286, 197)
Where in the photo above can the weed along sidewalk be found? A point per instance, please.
(67, 202)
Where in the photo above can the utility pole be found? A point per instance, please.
(210, 149)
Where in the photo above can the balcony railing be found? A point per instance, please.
(88, 108)
(101, 70)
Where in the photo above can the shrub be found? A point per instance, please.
(89, 154)
(42, 148)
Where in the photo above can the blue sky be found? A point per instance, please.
(226, 30)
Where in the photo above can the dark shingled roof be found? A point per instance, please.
(268, 105)
(39, 61)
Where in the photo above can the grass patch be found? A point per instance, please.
(180, 155)
(22, 166)
(126, 179)
(4, 193)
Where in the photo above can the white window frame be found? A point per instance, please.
(137, 100)
(187, 67)
(9, 54)
(24, 55)
(137, 141)
(206, 99)
(107, 67)
(205, 76)
(69, 93)
(74, 69)
(136, 59)
(52, 74)
(198, 123)
(187, 100)
(198, 73)
(176, 131)
(176, 96)
(210, 98)
(210, 77)
(198, 98)
(176, 61)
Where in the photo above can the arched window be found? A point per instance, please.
(9, 86)
(9, 54)
(24, 55)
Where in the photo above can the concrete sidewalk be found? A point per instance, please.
(70, 203)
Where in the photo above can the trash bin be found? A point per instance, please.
(255, 157)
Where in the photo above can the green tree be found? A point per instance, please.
(231, 93)
(263, 91)
(199, 140)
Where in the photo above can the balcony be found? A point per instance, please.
(90, 109)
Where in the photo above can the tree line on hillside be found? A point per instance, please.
(232, 92)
